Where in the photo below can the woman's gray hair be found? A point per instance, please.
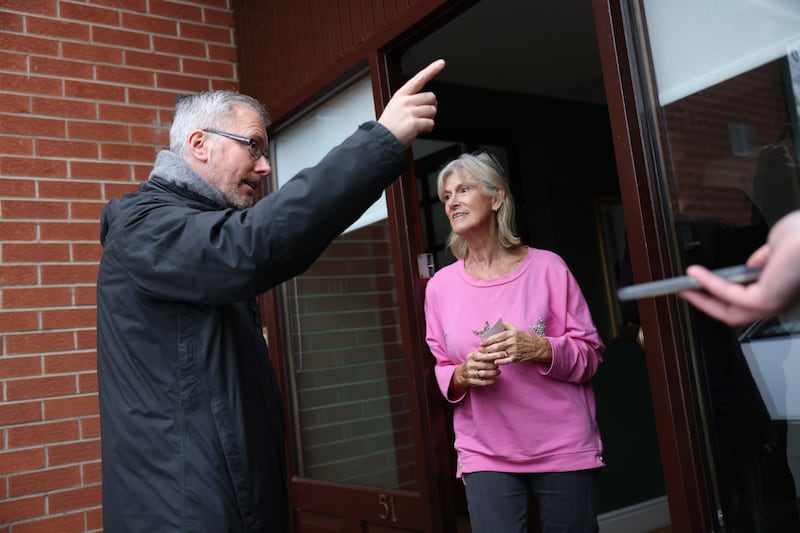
(207, 110)
(483, 170)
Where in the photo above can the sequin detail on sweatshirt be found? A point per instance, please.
(539, 328)
(481, 332)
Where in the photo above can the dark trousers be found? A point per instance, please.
(498, 501)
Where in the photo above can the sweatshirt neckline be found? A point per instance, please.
(511, 276)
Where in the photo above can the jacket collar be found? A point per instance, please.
(173, 169)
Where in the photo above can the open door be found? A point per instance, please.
(360, 452)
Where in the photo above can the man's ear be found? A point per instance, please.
(199, 146)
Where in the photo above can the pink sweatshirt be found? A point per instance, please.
(536, 417)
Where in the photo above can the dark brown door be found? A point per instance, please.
(350, 350)
(707, 165)
(678, 428)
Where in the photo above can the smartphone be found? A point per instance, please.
(737, 274)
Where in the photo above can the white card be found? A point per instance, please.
(497, 328)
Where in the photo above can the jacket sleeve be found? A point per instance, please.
(217, 257)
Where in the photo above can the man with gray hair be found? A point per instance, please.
(192, 421)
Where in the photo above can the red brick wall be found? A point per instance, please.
(86, 93)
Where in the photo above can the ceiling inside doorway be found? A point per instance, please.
(520, 46)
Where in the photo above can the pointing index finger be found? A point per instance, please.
(415, 84)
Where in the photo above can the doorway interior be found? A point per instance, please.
(523, 80)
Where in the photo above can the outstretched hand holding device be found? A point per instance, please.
(734, 274)
(776, 291)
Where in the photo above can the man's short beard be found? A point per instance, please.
(230, 192)
(236, 200)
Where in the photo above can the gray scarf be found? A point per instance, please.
(174, 169)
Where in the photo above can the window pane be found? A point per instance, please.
(731, 171)
(351, 414)
(699, 43)
(314, 134)
(350, 409)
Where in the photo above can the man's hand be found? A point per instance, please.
(410, 112)
(729, 302)
(776, 291)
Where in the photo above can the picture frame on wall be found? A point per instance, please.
(611, 238)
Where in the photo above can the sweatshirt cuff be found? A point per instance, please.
(547, 368)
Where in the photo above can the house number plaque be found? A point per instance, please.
(387, 508)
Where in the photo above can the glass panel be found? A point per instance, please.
(730, 153)
(715, 43)
(346, 362)
(315, 133)
(347, 366)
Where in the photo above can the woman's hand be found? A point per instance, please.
(476, 371)
(514, 345)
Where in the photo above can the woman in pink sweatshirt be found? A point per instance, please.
(524, 417)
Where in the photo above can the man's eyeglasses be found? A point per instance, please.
(253, 147)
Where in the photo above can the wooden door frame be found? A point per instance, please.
(627, 76)
(407, 242)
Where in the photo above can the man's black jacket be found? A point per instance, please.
(191, 415)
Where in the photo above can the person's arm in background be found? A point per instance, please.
(776, 291)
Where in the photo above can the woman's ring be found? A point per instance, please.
(478, 374)
(505, 352)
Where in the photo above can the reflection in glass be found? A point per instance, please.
(732, 174)
(351, 412)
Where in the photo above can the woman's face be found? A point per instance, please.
(468, 207)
